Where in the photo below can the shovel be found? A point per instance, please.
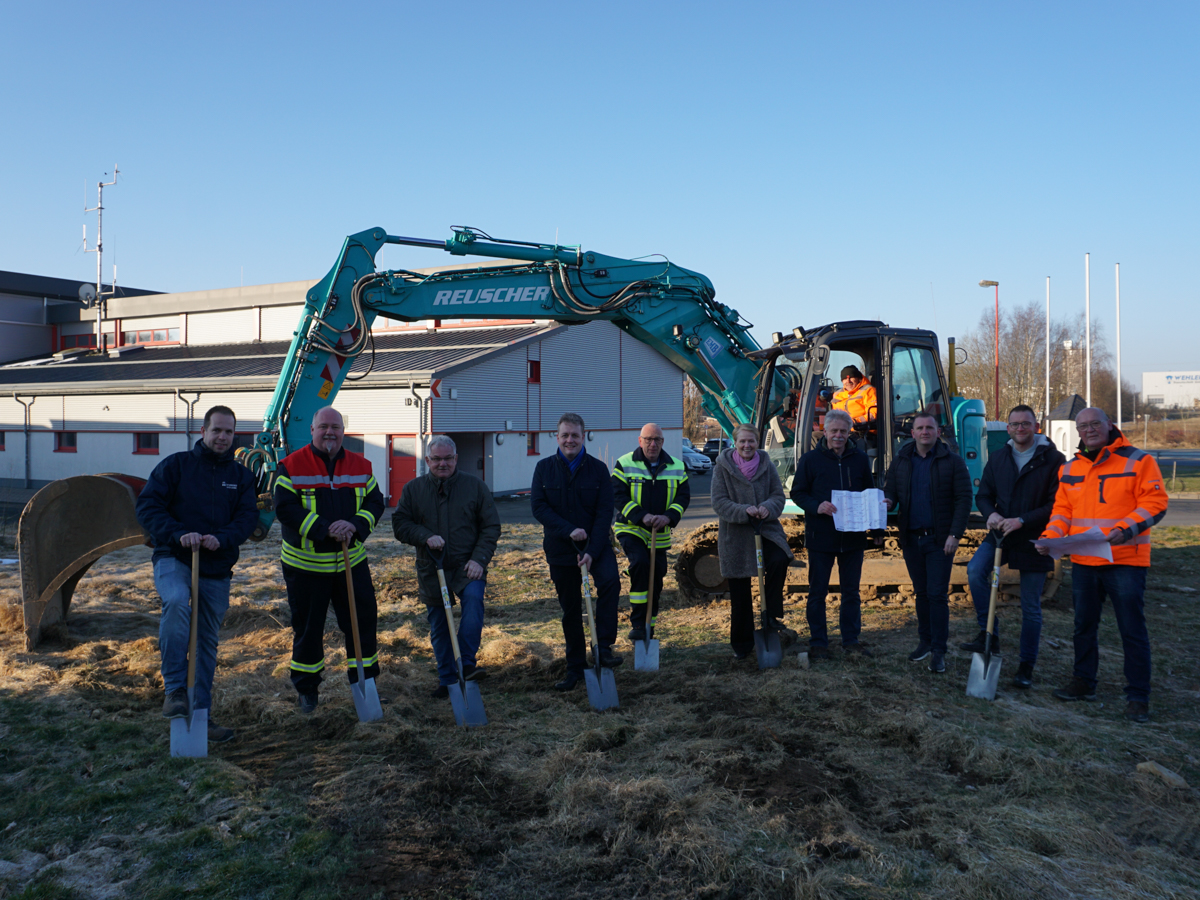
(766, 640)
(645, 653)
(465, 700)
(601, 683)
(366, 697)
(985, 667)
(189, 735)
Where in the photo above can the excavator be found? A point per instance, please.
(783, 389)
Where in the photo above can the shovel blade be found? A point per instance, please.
(645, 655)
(601, 688)
(984, 676)
(473, 713)
(366, 700)
(768, 649)
(189, 734)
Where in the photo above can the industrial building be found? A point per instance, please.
(496, 387)
(1171, 390)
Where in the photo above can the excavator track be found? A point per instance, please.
(884, 581)
(64, 528)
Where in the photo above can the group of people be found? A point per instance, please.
(328, 502)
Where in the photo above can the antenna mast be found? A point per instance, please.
(101, 295)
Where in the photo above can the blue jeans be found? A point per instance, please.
(1125, 586)
(470, 627)
(929, 568)
(173, 580)
(820, 567)
(979, 576)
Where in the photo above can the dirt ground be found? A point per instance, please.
(867, 778)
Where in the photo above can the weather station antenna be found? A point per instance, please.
(99, 296)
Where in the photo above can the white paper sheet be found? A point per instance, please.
(859, 511)
(1087, 543)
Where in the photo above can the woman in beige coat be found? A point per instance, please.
(746, 489)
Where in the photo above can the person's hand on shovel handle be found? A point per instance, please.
(583, 559)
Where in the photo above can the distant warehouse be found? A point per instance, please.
(497, 387)
(1171, 390)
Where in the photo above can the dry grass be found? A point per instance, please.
(856, 778)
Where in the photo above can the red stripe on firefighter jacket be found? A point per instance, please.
(1122, 488)
(308, 500)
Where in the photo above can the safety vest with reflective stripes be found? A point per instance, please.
(861, 403)
(637, 492)
(1122, 488)
(349, 493)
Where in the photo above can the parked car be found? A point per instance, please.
(695, 461)
(688, 445)
(714, 446)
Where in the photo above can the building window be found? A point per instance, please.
(64, 442)
(1155, 401)
(70, 341)
(531, 444)
(535, 371)
(354, 443)
(153, 336)
(146, 442)
(1, 441)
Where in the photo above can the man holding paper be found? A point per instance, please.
(1112, 485)
(836, 464)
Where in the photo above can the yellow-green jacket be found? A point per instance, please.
(640, 489)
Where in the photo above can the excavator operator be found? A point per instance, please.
(857, 396)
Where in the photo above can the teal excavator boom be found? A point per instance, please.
(671, 309)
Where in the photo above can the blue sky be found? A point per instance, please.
(817, 161)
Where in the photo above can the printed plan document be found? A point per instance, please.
(1087, 543)
(859, 511)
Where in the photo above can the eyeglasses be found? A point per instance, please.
(1020, 425)
(653, 440)
(1089, 426)
(442, 459)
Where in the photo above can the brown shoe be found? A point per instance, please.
(1136, 711)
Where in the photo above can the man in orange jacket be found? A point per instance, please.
(857, 396)
(1117, 487)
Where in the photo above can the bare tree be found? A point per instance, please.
(693, 410)
(1023, 361)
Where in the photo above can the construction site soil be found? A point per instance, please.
(855, 777)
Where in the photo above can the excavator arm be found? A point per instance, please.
(665, 306)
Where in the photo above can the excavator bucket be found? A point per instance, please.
(64, 528)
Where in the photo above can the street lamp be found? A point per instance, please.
(996, 285)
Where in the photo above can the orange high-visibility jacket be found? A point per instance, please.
(1122, 488)
(861, 404)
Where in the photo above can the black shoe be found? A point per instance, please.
(175, 706)
(937, 662)
(219, 734)
(773, 624)
(1024, 676)
(858, 648)
(610, 660)
(1078, 689)
(474, 673)
(441, 692)
(637, 633)
(920, 653)
(815, 653)
(1136, 711)
(568, 683)
(740, 655)
(977, 645)
(308, 702)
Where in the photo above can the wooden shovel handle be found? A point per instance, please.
(350, 601)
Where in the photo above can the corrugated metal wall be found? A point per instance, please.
(580, 374)
(227, 327)
(651, 387)
(118, 412)
(279, 322)
(378, 410)
(488, 394)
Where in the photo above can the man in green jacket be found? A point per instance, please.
(450, 514)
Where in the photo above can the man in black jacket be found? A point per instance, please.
(933, 488)
(573, 499)
(836, 464)
(199, 498)
(1016, 495)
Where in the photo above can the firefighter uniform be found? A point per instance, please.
(313, 491)
(1121, 488)
(641, 488)
(861, 403)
